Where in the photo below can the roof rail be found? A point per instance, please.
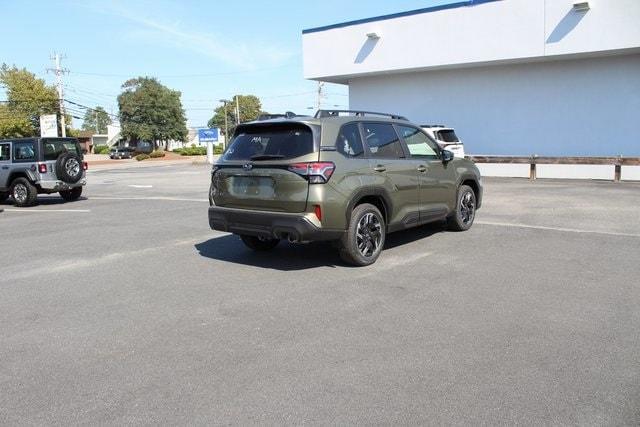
(287, 115)
(432, 126)
(336, 113)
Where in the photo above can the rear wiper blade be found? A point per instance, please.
(267, 156)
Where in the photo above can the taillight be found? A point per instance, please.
(42, 167)
(314, 172)
(318, 211)
(85, 166)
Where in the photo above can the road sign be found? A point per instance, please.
(208, 135)
(49, 125)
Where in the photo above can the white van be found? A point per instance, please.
(446, 138)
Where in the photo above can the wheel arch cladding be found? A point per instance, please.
(375, 196)
(21, 173)
(474, 186)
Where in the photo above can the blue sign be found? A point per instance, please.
(208, 135)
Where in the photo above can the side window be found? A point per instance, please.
(24, 151)
(418, 143)
(349, 142)
(382, 140)
(5, 154)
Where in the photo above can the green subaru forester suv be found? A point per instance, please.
(349, 177)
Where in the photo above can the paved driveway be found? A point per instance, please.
(125, 308)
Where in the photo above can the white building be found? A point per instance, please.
(517, 77)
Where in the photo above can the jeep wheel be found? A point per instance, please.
(259, 243)
(23, 192)
(69, 168)
(71, 195)
(462, 218)
(364, 240)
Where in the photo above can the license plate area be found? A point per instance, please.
(260, 187)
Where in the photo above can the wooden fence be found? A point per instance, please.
(532, 161)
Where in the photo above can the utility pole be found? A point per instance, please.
(237, 110)
(320, 95)
(59, 71)
(97, 128)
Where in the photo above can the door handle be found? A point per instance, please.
(5, 167)
(422, 168)
(380, 168)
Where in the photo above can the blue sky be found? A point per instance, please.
(208, 50)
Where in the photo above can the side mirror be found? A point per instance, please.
(447, 156)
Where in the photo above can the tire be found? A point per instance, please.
(465, 213)
(24, 193)
(69, 168)
(71, 195)
(364, 240)
(259, 244)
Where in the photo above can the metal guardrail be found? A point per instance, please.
(532, 161)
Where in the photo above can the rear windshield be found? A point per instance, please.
(448, 135)
(272, 142)
(51, 149)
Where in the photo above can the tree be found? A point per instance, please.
(28, 97)
(96, 120)
(250, 109)
(151, 112)
(13, 125)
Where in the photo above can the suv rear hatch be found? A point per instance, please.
(52, 148)
(258, 170)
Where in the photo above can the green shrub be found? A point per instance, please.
(218, 149)
(156, 154)
(101, 149)
(141, 157)
(177, 150)
(193, 151)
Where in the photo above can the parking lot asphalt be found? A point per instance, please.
(125, 308)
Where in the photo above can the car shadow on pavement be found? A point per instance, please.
(291, 257)
(46, 201)
(286, 256)
(54, 200)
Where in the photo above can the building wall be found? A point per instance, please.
(481, 33)
(571, 107)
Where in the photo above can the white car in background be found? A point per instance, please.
(446, 138)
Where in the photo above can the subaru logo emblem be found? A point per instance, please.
(247, 166)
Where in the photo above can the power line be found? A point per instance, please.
(230, 73)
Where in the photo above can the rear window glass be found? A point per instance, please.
(448, 135)
(383, 141)
(51, 149)
(271, 143)
(349, 142)
(24, 151)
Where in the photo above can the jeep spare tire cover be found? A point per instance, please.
(69, 168)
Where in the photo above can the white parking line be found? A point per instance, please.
(140, 186)
(172, 199)
(27, 210)
(567, 230)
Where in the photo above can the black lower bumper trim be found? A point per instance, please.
(292, 227)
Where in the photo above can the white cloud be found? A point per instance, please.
(234, 53)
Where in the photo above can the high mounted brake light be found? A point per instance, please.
(314, 172)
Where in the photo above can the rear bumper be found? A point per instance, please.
(302, 227)
(56, 185)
